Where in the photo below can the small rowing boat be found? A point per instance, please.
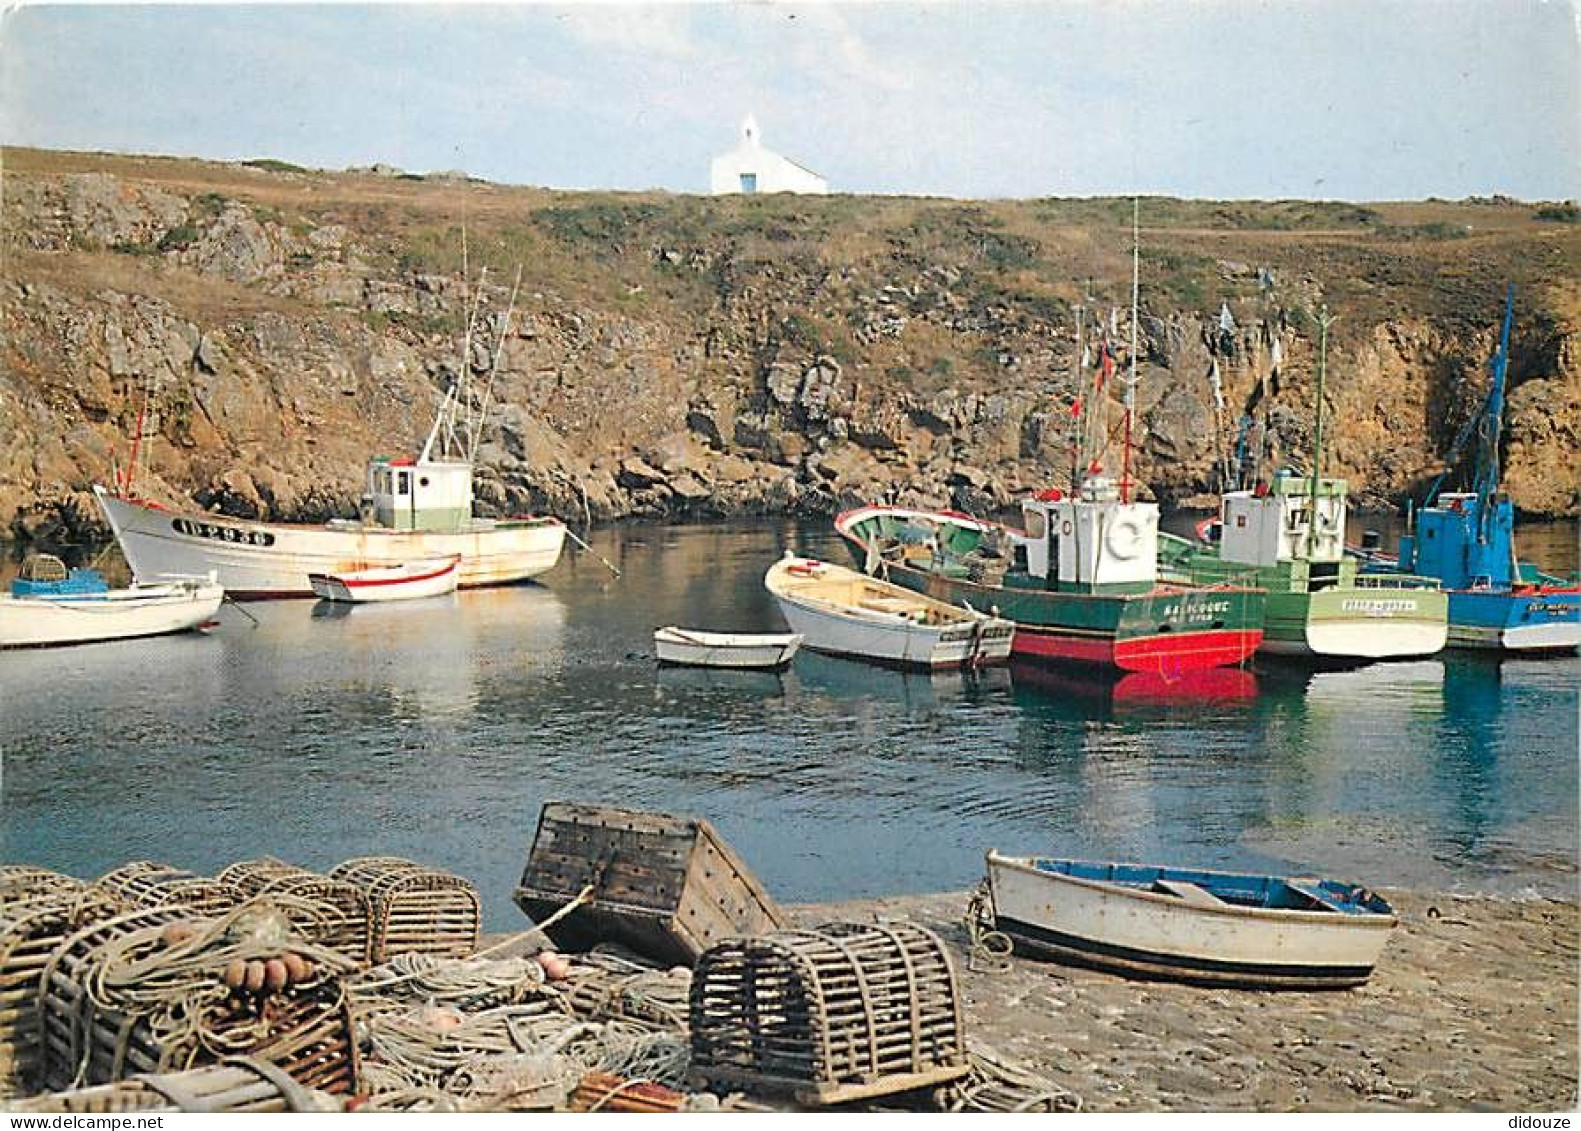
(429, 577)
(691, 647)
(846, 613)
(49, 605)
(1188, 925)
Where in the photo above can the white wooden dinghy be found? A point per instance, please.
(691, 647)
(847, 613)
(52, 606)
(1214, 928)
(428, 577)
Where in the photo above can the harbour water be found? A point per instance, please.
(436, 730)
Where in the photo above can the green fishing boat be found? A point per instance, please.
(1287, 536)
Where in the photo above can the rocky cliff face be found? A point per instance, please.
(266, 330)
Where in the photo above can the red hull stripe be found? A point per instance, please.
(1166, 654)
(370, 582)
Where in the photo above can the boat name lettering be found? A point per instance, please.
(1378, 606)
(1547, 609)
(221, 533)
(1203, 611)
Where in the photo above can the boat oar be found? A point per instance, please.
(569, 533)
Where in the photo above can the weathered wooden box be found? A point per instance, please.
(668, 887)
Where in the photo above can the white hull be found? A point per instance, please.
(257, 559)
(846, 613)
(691, 648)
(142, 610)
(1363, 640)
(409, 583)
(1522, 638)
(1162, 935)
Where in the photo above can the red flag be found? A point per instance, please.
(1075, 407)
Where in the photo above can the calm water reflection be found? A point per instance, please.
(437, 729)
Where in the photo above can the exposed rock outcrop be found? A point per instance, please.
(267, 332)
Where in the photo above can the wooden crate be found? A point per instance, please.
(97, 1029)
(340, 915)
(238, 1084)
(148, 884)
(844, 1012)
(668, 887)
(30, 930)
(414, 909)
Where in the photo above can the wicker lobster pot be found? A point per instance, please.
(238, 1084)
(147, 884)
(21, 881)
(30, 930)
(304, 1029)
(840, 1013)
(414, 909)
(341, 918)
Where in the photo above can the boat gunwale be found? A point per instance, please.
(1159, 589)
(332, 525)
(961, 617)
(356, 579)
(1373, 920)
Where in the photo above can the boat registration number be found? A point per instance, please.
(221, 533)
(1377, 607)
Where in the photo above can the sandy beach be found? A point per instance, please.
(1473, 1007)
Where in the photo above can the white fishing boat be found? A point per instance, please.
(691, 647)
(433, 577)
(1212, 928)
(50, 606)
(413, 509)
(847, 613)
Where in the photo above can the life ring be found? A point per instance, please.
(1124, 539)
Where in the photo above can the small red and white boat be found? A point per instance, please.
(427, 577)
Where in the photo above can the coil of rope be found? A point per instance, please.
(988, 950)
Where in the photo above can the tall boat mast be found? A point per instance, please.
(1324, 321)
(1130, 380)
(1487, 474)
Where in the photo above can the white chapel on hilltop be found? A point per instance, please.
(749, 168)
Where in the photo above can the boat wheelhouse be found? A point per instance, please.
(413, 509)
(1080, 581)
(1287, 537)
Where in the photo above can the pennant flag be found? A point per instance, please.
(1075, 407)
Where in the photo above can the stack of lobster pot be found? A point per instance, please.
(147, 884)
(331, 912)
(158, 990)
(238, 1084)
(38, 910)
(413, 909)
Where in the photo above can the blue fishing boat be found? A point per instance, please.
(1467, 540)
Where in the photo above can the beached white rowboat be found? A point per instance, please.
(1215, 928)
